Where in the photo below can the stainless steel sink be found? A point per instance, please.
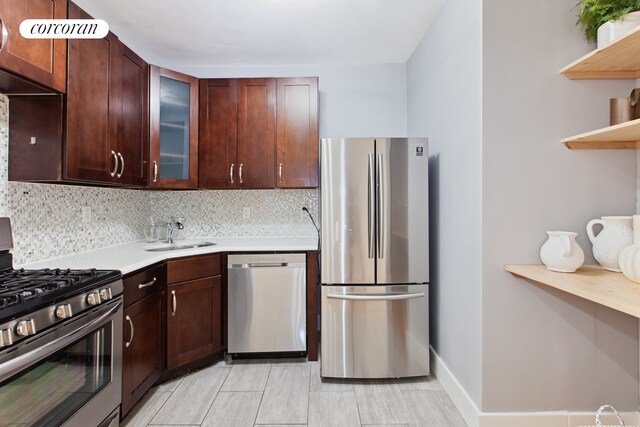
(178, 246)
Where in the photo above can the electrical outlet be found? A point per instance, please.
(246, 212)
(86, 214)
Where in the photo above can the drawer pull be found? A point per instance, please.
(149, 283)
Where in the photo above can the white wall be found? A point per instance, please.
(444, 78)
(355, 100)
(542, 349)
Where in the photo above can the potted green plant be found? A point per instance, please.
(606, 20)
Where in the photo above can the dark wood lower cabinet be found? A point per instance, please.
(194, 320)
(172, 329)
(142, 361)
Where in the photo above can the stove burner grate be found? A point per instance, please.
(21, 285)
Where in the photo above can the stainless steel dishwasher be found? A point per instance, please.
(267, 303)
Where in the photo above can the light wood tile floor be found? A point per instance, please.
(290, 392)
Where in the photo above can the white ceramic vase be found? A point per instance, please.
(630, 256)
(561, 252)
(616, 234)
(613, 30)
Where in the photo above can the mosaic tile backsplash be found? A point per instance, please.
(238, 212)
(47, 219)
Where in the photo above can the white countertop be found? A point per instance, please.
(132, 256)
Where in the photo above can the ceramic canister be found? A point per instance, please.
(561, 252)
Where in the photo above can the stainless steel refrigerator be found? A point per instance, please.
(374, 257)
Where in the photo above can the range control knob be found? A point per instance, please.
(64, 311)
(6, 337)
(93, 298)
(26, 328)
(105, 294)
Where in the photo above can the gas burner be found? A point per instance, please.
(8, 300)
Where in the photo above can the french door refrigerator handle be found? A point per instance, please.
(380, 206)
(383, 297)
(370, 208)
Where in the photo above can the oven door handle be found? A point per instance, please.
(14, 366)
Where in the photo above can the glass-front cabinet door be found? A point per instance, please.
(174, 129)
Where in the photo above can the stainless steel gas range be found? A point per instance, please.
(60, 344)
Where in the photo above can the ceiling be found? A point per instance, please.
(268, 32)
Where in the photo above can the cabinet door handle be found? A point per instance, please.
(231, 173)
(280, 172)
(115, 169)
(174, 306)
(240, 173)
(128, 343)
(5, 35)
(121, 166)
(146, 285)
(155, 171)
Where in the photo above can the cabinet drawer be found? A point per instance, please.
(181, 270)
(142, 283)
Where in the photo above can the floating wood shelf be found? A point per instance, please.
(619, 60)
(624, 135)
(593, 283)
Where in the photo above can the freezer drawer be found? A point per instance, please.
(267, 303)
(375, 331)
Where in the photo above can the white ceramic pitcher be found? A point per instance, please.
(616, 234)
(561, 252)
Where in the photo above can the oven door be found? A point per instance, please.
(70, 375)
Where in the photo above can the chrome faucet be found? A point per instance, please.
(171, 227)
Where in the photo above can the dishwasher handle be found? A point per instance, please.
(260, 265)
(267, 265)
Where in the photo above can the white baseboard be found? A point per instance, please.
(476, 418)
(456, 392)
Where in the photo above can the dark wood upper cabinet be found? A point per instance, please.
(97, 133)
(132, 116)
(218, 140)
(43, 61)
(239, 132)
(256, 133)
(297, 132)
(92, 107)
(173, 126)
